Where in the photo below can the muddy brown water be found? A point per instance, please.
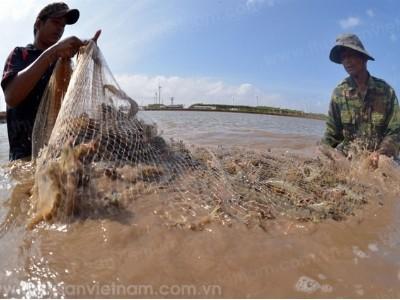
(137, 256)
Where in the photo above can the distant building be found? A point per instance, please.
(162, 107)
(203, 107)
(174, 106)
(154, 106)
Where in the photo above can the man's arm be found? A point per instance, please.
(333, 132)
(391, 140)
(23, 82)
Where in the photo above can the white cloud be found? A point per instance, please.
(187, 91)
(9, 10)
(245, 88)
(252, 3)
(370, 13)
(350, 22)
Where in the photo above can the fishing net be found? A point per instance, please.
(50, 105)
(97, 156)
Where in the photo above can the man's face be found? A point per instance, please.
(353, 62)
(51, 30)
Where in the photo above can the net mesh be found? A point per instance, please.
(50, 105)
(101, 158)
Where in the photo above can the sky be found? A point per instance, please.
(242, 52)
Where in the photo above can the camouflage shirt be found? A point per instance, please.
(374, 119)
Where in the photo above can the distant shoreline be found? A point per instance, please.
(282, 114)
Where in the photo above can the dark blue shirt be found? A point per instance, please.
(20, 119)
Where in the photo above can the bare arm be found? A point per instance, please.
(23, 83)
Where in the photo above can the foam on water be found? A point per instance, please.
(307, 285)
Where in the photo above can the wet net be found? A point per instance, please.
(50, 105)
(97, 156)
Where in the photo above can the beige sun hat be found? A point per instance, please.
(347, 40)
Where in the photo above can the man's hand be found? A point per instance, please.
(67, 47)
(94, 38)
(96, 35)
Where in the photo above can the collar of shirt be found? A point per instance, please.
(353, 86)
(31, 47)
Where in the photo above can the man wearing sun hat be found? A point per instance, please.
(28, 69)
(362, 107)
